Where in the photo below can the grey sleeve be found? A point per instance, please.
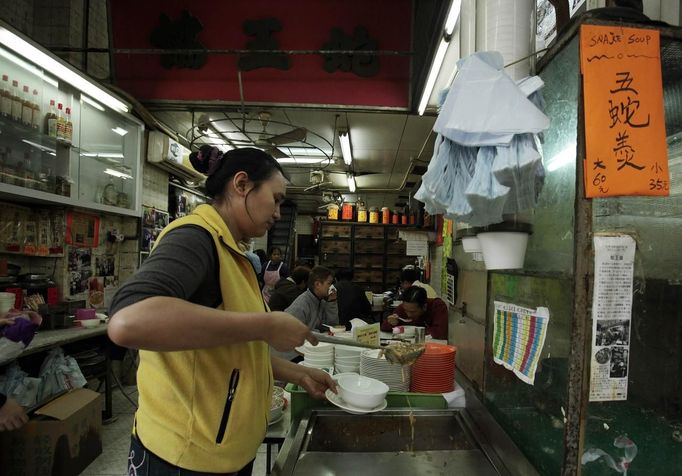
(331, 313)
(300, 310)
(177, 267)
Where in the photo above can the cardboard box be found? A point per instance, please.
(61, 439)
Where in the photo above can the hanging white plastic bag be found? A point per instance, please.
(516, 167)
(464, 160)
(484, 106)
(485, 194)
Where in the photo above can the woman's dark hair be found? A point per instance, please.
(220, 168)
(275, 248)
(416, 295)
(409, 274)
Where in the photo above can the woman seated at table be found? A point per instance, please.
(418, 310)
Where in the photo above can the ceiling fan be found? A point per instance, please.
(270, 143)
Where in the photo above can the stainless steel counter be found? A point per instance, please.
(399, 441)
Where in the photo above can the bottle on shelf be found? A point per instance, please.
(36, 116)
(6, 98)
(26, 108)
(16, 101)
(68, 126)
(51, 120)
(61, 122)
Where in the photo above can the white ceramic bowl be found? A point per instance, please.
(276, 407)
(88, 322)
(361, 391)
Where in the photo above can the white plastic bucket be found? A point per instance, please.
(471, 244)
(503, 249)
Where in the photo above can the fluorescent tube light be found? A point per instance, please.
(43, 60)
(120, 131)
(104, 155)
(453, 15)
(300, 160)
(434, 71)
(351, 183)
(344, 139)
(94, 104)
(116, 173)
(28, 67)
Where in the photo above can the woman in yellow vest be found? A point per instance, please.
(195, 311)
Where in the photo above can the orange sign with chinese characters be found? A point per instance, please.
(625, 137)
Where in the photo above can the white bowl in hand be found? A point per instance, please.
(362, 392)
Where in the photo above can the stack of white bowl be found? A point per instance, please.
(320, 356)
(347, 358)
(6, 302)
(396, 376)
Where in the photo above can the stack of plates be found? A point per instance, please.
(320, 356)
(397, 377)
(347, 358)
(434, 371)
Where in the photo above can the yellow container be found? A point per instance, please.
(374, 215)
(333, 212)
(362, 214)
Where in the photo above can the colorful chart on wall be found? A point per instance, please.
(519, 337)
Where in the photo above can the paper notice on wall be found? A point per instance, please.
(614, 258)
(519, 336)
(417, 248)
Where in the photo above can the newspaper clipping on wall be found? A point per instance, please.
(611, 316)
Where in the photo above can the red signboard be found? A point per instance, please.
(304, 25)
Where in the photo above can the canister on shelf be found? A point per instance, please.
(403, 219)
(333, 212)
(395, 219)
(385, 215)
(374, 215)
(362, 214)
(347, 211)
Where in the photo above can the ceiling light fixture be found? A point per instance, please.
(351, 183)
(300, 160)
(94, 104)
(346, 151)
(116, 173)
(43, 60)
(450, 22)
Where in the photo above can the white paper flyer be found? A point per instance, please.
(614, 258)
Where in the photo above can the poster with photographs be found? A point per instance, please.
(611, 316)
(105, 265)
(80, 270)
(153, 221)
(182, 201)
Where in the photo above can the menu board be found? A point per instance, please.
(614, 258)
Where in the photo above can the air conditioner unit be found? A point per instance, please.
(171, 156)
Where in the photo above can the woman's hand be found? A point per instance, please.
(12, 416)
(316, 382)
(284, 332)
(6, 321)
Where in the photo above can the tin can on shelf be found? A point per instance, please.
(374, 215)
(403, 219)
(395, 219)
(347, 211)
(362, 214)
(333, 212)
(385, 215)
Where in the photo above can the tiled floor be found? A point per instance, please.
(116, 441)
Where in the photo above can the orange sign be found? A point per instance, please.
(625, 136)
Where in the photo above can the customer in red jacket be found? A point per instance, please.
(420, 311)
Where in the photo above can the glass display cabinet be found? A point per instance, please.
(63, 138)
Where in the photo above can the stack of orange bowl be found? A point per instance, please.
(434, 371)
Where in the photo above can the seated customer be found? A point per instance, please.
(315, 306)
(351, 299)
(288, 289)
(409, 276)
(420, 311)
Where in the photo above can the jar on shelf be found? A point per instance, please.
(333, 212)
(374, 215)
(347, 211)
(395, 219)
(362, 214)
(385, 215)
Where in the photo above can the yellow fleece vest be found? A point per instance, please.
(183, 396)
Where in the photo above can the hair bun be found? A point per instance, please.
(206, 159)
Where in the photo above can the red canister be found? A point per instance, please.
(385, 216)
